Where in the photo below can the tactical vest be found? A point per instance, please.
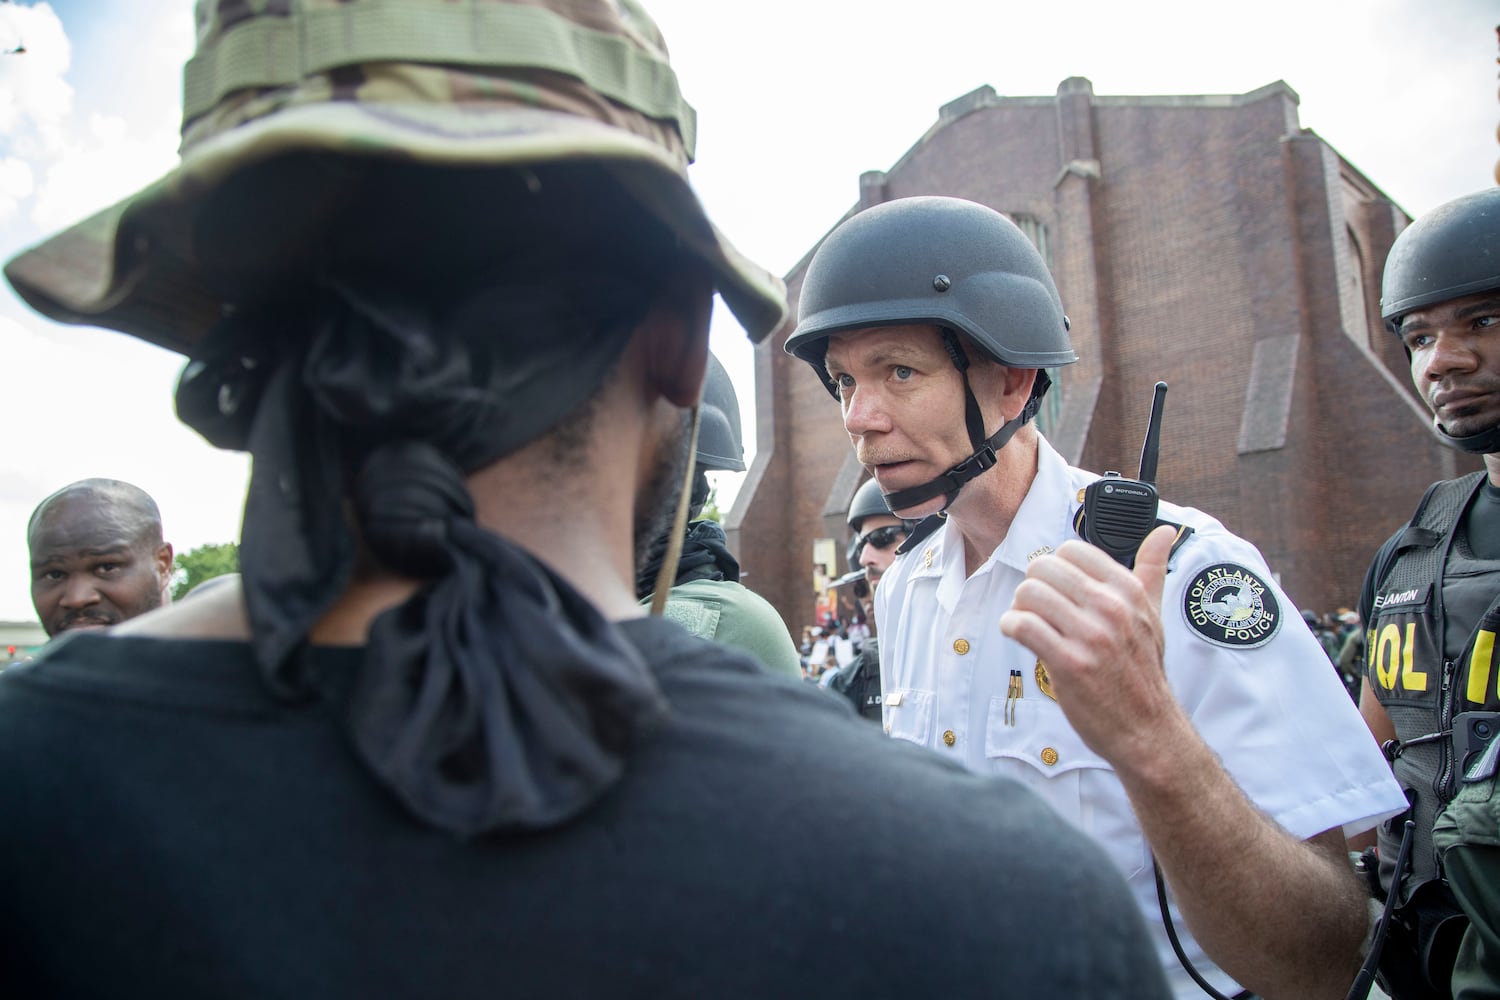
(1419, 688)
(860, 681)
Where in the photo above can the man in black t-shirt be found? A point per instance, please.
(439, 270)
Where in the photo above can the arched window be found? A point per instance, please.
(1036, 231)
(1356, 307)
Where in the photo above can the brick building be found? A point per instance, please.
(1209, 241)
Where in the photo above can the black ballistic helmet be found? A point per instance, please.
(868, 501)
(1450, 252)
(720, 446)
(947, 262)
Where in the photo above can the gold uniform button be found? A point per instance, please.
(950, 738)
(888, 730)
(1049, 756)
(960, 646)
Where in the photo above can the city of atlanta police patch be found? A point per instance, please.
(1230, 606)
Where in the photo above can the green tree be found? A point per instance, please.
(710, 510)
(203, 563)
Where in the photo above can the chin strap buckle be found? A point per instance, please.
(981, 461)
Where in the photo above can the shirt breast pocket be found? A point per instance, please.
(908, 714)
(1034, 743)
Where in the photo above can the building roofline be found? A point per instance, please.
(984, 97)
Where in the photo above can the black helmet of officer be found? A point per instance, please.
(868, 502)
(955, 264)
(720, 446)
(1450, 252)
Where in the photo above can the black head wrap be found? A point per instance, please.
(497, 697)
(705, 556)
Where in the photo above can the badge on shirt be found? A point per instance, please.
(1044, 682)
(1230, 606)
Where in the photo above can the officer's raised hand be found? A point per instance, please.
(1097, 627)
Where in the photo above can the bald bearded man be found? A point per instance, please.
(97, 556)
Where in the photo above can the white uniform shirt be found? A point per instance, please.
(1262, 696)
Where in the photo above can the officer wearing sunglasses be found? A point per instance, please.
(877, 533)
(879, 539)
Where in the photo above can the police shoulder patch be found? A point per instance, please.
(1230, 606)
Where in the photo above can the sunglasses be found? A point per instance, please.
(881, 538)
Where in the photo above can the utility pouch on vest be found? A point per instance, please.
(1368, 868)
(1421, 945)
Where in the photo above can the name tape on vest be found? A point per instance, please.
(1395, 598)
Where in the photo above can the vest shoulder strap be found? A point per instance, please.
(1434, 519)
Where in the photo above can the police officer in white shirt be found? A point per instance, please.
(1165, 709)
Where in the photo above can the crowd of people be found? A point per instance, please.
(1343, 639)
(487, 706)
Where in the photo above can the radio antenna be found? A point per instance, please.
(1153, 436)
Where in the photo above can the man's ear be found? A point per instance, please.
(677, 327)
(1018, 383)
(164, 569)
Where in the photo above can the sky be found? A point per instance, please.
(795, 98)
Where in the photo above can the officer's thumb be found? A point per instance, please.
(1151, 561)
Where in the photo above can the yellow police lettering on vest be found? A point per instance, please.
(1480, 663)
(1411, 680)
(1392, 655)
(1388, 656)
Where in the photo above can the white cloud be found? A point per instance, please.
(107, 162)
(16, 183)
(35, 96)
(82, 158)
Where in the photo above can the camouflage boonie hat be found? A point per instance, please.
(441, 82)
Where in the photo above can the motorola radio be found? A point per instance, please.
(1119, 513)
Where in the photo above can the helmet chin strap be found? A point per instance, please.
(983, 458)
(1483, 443)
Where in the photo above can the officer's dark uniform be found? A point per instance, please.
(1431, 598)
(860, 680)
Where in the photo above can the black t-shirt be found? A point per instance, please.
(167, 829)
(1469, 572)
(1482, 523)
